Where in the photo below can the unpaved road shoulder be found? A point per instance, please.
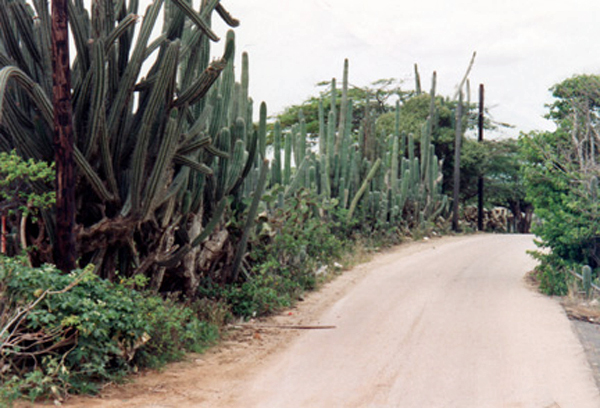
(444, 323)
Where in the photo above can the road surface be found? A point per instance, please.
(453, 326)
(449, 323)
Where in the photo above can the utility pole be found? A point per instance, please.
(64, 246)
(457, 142)
(480, 180)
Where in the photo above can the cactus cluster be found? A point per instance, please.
(162, 152)
(377, 180)
(171, 169)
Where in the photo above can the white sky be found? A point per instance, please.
(523, 47)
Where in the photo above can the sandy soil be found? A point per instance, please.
(443, 323)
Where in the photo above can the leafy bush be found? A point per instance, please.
(172, 331)
(561, 175)
(16, 178)
(67, 333)
(552, 274)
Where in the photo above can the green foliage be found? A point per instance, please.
(576, 96)
(291, 243)
(413, 115)
(560, 176)
(66, 333)
(18, 181)
(260, 295)
(300, 239)
(570, 220)
(173, 330)
(377, 97)
(551, 273)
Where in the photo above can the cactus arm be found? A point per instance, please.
(11, 43)
(34, 91)
(196, 18)
(80, 36)
(203, 141)
(192, 164)
(127, 83)
(156, 101)
(162, 163)
(226, 16)
(241, 249)
(417, 80)
(22, 18)
(362, 189)
(322, 129)
(253, 148)
(181, 179)
(235, 166)
(277, 153)
(343, 107)
(262, 131)
(331, 143)
(118, 31)
(287, 169)
(203, 84)
(245, 82)
(296, 182)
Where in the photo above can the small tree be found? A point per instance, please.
(561, 178)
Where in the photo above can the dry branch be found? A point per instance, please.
(283, 326)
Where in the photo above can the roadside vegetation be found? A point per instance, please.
(189, 215)
(560, 174)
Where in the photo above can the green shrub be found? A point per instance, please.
(73, 332)
(16, 176)
(173, 330)
(552, 273)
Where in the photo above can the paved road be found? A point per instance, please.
(451, 326)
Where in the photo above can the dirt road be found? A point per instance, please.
(445, 323)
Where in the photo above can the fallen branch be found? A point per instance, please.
(10, 332)
(282, 326)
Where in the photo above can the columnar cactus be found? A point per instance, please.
(160, 157)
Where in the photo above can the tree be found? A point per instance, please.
(561, 178)
(500, 162)
(379, 98)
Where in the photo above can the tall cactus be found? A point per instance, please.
(276, 176)
(145, 146)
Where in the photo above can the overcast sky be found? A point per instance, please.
(523, 47)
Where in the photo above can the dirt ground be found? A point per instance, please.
(266, 363)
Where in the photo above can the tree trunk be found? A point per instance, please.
(64, 246)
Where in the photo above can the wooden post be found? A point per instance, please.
(457, 142)
(3, 246)
(480, 180)
(64, 247)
